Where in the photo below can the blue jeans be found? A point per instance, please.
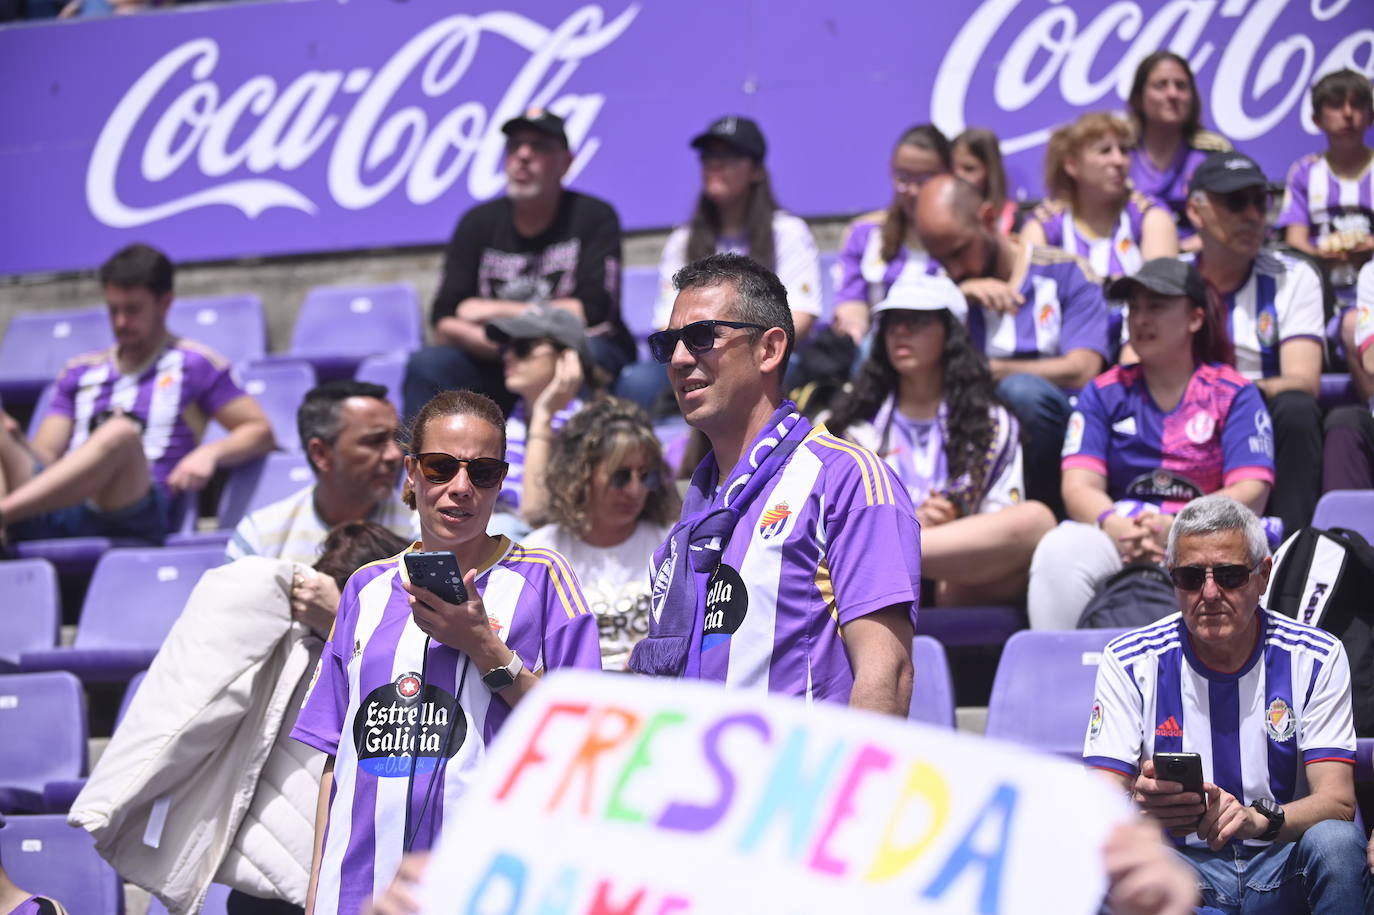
(1043, 411)
(1324, 871)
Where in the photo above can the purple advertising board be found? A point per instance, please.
(295, 127)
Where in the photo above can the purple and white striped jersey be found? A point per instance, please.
(1326, 203)
(832, 539)
(174, 394)
(366, 708)
(1169, 185)
(864, 275)
(1064, 310)
(1256, 729)
(1280, 300)
(517, 430)
(1117, 255)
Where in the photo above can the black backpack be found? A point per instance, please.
(1136, 596)
(1326, 578)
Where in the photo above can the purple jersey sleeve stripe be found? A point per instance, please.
(1110, 765)
(1327, 754)
(311, 739)
(1316, 337)
(1236, 474)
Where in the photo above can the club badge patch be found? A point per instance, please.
(1279, 721)
(774, 521)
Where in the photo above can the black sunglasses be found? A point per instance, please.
(1241, 200)
(699, 337)
(1191, 578)
(484, 472)
(522, 347)
(649, 478)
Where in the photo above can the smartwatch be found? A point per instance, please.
(1274, 814)
(499, 678)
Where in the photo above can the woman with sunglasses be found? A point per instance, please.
(613, 502)
(925, 401)
(411, 688)
(1148, 438)
(549, 368)
(1092, 211)
(1170, 143)
(882, 247)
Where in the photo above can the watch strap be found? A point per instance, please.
(498, 678)
(1274, 814)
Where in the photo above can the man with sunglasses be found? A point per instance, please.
(540, 244)
(1264, 700)
(796, 565)
(1276, 319)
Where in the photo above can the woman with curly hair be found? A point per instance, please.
(614, 502)
(925, 402)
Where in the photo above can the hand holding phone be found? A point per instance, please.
(437, 572)
(1184, 768)
(1177, 811)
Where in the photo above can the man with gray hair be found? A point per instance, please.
(1263, 701)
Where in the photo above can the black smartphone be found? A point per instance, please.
(1184, 768)
(438, 572)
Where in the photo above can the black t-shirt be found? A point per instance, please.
(577, 257)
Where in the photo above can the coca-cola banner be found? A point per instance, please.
(291, 127)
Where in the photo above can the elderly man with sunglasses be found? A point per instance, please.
(1264, 701)
(1276, 319)
(796, 565)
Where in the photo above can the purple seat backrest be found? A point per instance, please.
(216, 902)
(128, 698)
(1352, 508)
(46, 856)
(1042, 695)
(40, 408)
(387, 370)
(43, 720)
(33, 606)
(638, 295)
(830, 284)
(357, 321)
(262, 482)
(137, 593)
(932, 693)
(232, 325)
(37, 345)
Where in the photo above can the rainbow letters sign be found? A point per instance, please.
(640, 797)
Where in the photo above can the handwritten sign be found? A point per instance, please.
(640, 797)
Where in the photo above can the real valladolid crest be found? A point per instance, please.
(379, 139)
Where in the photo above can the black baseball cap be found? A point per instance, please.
(1164, 276)
(1224, 172)
(738, 133)
(540, 322)
(538, 119)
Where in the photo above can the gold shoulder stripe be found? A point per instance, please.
(1209, 141)
(568, 594)
(1048, 254)
(212, 356)
(877, 487)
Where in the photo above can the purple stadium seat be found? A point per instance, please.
(1352, 508)
(1042, 695)
(215, 902)
(960, 627)
(387, 370)
(1364, 759)
(134, 597)
(279, 386)
(43, 720)
(1335, 390)
(260, 483)
(932, 692)
(638, 295)
(232, 325)
(36, 345)
(830, 284)
(338, 326)
(40, 408)
(59, 794)
(44, 855)
(79, 555)
(33, 608)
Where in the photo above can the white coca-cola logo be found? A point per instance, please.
(372, 149)
(1077, 52)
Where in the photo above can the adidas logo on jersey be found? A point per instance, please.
(1125, 426)
(1169, 728)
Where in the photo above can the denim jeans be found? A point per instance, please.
(1324, 871)
(1043, 411)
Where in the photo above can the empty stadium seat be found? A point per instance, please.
(339, 326)
(46, 856)
(387, 370)
(638, 296)
(932, 692)
(262, 482)
(32, 614)
(134, 597)
(961, 627)
(830, 285)
(1352, 508)
(43, 723)
(37, 345)
(232, 325)
(1042, 695)
(278, 386)
(1336, 389)
(215, 902)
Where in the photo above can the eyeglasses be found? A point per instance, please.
(722, 156)
(649, 479)
(903, 181)
(522, 347)
(1241, 200)
(1191, 578)
(699, 337)
(484, 472)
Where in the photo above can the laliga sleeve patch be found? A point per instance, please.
(392, 724)
(727, 603)
(1095, 720)
(1073, 435)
